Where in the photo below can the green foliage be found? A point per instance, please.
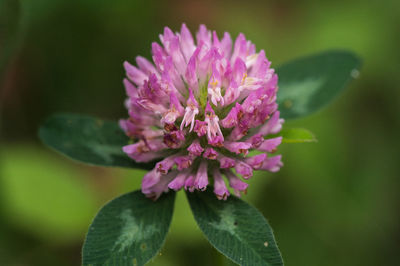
(9, 25)
(308, 84)
(44, 196)
(295, 135)
(235, 228)
(128, 230)
(88, 139)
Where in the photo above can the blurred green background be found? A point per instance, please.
(335, 202)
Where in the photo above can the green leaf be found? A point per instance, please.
(129, 230)
(295, 135)
(89, 140)
(235, 228)
(308, 84)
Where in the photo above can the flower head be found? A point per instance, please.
(199, 110)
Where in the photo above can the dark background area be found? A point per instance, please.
(335, 202)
